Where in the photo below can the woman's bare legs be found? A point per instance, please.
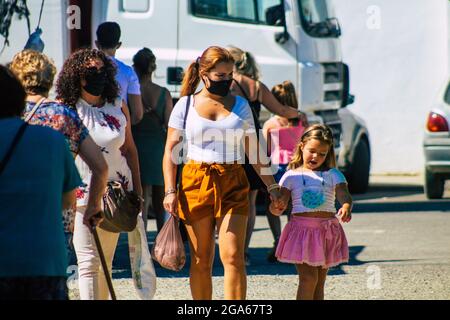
(202, 244)
(251, 218)
(232, 230)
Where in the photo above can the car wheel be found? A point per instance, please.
(434, 185)
(360, 169)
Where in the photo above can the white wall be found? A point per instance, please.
(395, 70)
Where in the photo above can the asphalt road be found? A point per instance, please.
(399, 249)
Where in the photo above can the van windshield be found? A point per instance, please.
(316, 20)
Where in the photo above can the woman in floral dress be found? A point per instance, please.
(87, 83)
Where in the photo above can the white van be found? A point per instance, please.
(296, 40)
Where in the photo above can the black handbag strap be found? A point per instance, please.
(14, 143)
(186, 112)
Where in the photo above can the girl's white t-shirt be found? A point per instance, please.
(214, 141)
(298, 181)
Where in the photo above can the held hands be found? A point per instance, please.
(278, 204)
(345, 213)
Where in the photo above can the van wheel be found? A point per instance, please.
(434, 185)
(360, 169)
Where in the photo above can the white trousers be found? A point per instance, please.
(91, 278)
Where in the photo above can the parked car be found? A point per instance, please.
(436, 145)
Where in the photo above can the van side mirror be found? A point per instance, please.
(175, 75)
(347, 97)
(275, 16)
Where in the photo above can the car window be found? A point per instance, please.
(234, 10)
(263, 6)
(447, 94)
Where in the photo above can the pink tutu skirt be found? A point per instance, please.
(318, 242)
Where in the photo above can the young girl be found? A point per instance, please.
(313, 239)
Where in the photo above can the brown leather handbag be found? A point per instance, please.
(121, 208)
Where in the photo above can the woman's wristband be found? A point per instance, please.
(273, 187)
(170, 191)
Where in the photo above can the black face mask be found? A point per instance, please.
(220, 88)
(95, 82)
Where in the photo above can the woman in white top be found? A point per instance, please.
(213, 189)
(87, 84)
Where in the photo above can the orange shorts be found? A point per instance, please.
(212, 189)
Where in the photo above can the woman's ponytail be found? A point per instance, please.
(191, 80)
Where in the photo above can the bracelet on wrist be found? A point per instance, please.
(170, 191)
(273, 187)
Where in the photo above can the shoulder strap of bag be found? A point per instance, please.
(188, 102)
(14, 143)
(33, 111)
(242, 89)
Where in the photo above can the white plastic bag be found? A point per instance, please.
(142, 269)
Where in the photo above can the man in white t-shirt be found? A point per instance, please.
(108, 41)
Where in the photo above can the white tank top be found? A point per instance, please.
(214, 141)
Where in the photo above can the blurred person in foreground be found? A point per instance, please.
(38, 181)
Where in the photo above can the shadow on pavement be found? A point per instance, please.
(258, 262)
(379, 191)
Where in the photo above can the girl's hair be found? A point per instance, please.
(319, 132)
(68, 86)
(285, 94)
(144, 62)
(245, 63)
(35, 71)
(208, 60)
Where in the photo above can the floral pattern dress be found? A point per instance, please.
(107, 126)
(60, 118)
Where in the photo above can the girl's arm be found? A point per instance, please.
(345, 199)
(271, 103)
(130, 153)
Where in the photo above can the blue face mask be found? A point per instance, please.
(220, 88)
